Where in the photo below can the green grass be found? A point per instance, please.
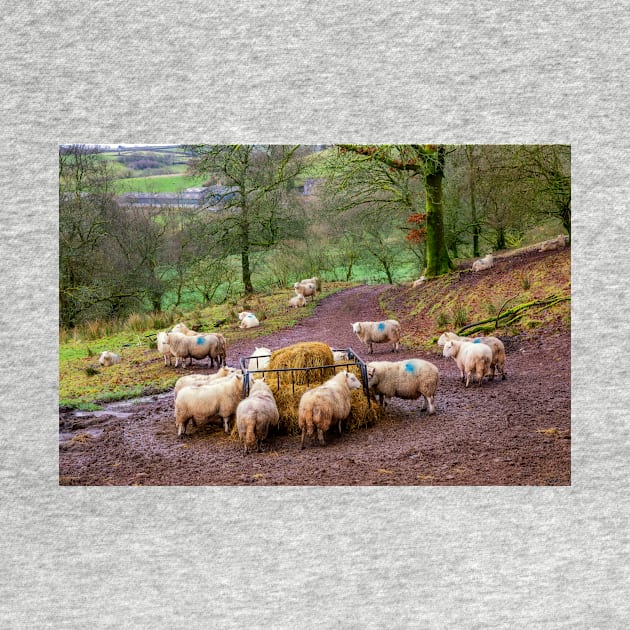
(157, 184)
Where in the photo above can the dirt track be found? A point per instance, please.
(512, 432)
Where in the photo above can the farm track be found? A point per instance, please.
(512, 432)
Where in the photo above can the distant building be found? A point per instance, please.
(211, 196)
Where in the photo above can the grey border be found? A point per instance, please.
(298, 557)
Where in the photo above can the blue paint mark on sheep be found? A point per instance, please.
(381, 326)
(250, 315)
(477, 340)
(409, 367)
(200, 340)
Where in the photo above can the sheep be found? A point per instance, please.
(259, 359)
(198, 347)
(339, 355)
(182, 328)
(378, 332)
(321, 406)
(496, 345)
(418, 282)
(248, 320)
(297, 301)
(314, 280)
(191, 380)
(255, 414)
(469, 357)
(163, 348)
(483, 263)
(108, 358)
(408, 379)
(204, 402)
(306, 289)
(555, 243)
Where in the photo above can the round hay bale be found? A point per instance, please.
(311, 354)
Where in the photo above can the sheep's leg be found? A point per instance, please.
(226, 424)
(467, 378)
(320, 437)
(303, 437)
(423, 403)
(430, 401)
(339, 427)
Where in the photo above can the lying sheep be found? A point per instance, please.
(470, 357)
(297, 301)
(205, 402)
(163, 348)
(483, 263)
(418, 282)
(306, 289)
(321, 406)
(495, 344)
(192, 380)
(259, 359)
(108, 358)
(408, 379)
(555, 243)
(248, 320)
(198, 347)
(255, 414)
(378, 332)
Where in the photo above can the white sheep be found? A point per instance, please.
(183, 329)
(408, 379)
(306, 289)
(108, 358)
(418, 282)
(321, 406)
(555, 243)
(339, 355)
(163, 348)
(192, 380)
(198, 347)
(255, 414)
(314, 280)
(259, 359)
(495, 344)
(248, 320)
(470, 358)
(297, 301)
(483, 263)
(378, 332)
(205, 402)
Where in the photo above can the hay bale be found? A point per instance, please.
(312, 354)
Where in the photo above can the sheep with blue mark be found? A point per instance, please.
(387, 331)
(471, 358)
(495, 344)
(199, 347)
(248, 320)
(408, 379)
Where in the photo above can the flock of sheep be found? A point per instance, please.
(201, 397)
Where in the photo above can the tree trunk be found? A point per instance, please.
(438, 260)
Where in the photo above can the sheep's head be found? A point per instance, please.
(356, 327)
(352, 381)
(451, 348)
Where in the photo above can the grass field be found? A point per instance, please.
(157, 184)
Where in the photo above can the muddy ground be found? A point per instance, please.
(506, 432)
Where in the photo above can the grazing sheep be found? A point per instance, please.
(259, 359)
(314, 280)
(255, 414)
(321, 406)
(495, 344)
(483, 263)
(248, 320)
(306, 289)
(204, 402)
(163, 348)
(408, 379)
(198, 347)
(470, 357)
(108, 358)
(378, 332)
(339, 355)
(555, 243)
(192, 380)
(297, 301)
